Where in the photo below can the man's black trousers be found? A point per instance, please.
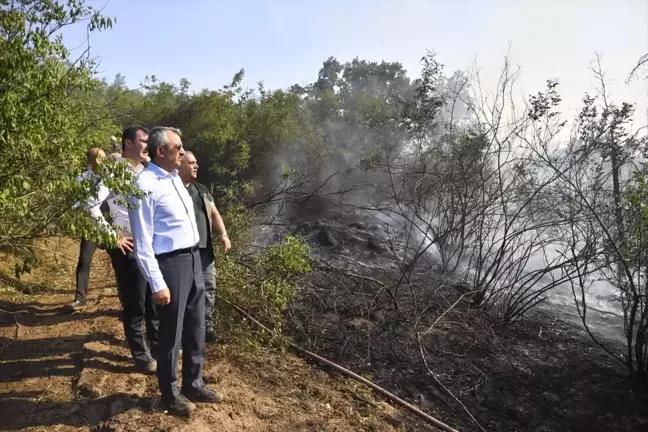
(137, 304)
(182, 323)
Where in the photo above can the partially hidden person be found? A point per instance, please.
(208, 222)
(138, 308)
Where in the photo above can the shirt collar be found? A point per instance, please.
(161, 172)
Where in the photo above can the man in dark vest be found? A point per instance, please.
(208, 220)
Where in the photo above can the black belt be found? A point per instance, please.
(191, 249)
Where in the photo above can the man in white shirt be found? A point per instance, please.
(166, 242)
(135, 294)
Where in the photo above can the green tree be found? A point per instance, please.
(49, 116)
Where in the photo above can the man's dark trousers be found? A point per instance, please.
(86, 252)
(209, 276)
(137, 305)
(182, 322)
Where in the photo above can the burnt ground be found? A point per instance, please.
(540, 374)
(64, 372)
(71, 372)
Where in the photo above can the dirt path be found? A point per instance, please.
(63, 372)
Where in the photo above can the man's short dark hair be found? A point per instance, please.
(130, 133)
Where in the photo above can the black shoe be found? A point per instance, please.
(203, 395)
(180, 406)
(210, 336)
(77, 304)
(153, 351)
(149, 367)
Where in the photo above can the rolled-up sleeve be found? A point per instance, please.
(141, 221)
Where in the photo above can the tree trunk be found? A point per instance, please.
(618, 211)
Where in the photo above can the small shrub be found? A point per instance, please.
(262, 285)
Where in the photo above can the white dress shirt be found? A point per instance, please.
(120, 220)
(163, 221)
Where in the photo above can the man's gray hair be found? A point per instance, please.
(157, 137)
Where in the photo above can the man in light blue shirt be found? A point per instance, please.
(165, 236)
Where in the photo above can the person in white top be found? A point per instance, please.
(138, 306)
(166, 241)
(87, 247)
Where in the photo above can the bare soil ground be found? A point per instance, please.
(62, 371)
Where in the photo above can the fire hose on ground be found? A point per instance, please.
(355, 376)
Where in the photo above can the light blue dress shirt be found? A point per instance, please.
(161, 222)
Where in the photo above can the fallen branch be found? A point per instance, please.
(43, 393)
(423, 353)
(17, 327)
(13, 314)
(7, 345)
(355, 376)
(444, 313)
(367, 401)
(382, 285)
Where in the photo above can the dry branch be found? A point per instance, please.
(423, 354)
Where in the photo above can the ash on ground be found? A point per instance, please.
(366, 307)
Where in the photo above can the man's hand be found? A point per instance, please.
(162, 297)
(225, 243)
(125, 244)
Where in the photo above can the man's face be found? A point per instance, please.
(137, 147)
(173, 152)
(189, 168)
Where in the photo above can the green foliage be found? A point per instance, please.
(263, 286)
(116, 177)
(635, 198)
(269, 123)
(287, 259)
(49, 116)
(210, 123)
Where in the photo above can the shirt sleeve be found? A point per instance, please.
(94, 207)
(79, 179)
(141, 222)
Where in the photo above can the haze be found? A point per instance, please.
(285, 42)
